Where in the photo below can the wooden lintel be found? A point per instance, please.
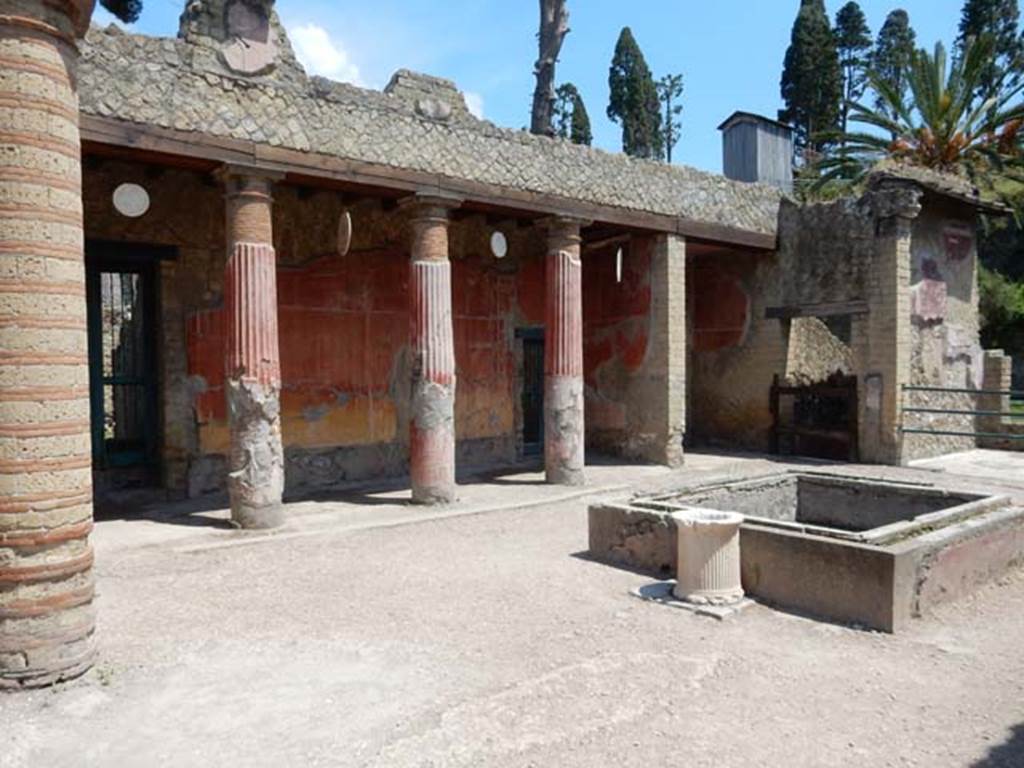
(156, 140)
(817, 310)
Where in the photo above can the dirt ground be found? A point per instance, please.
(487, 640)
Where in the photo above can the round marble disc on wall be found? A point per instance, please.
(499, 245)
(344, 233)
(131, 200)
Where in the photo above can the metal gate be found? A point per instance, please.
(816, 420)
(121, 296)
(533, 390)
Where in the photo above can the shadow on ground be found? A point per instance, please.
(1009, 754)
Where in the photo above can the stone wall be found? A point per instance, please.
(945, 327)
(878, 287)
(734, 351)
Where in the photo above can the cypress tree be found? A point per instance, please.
(1000, 19)
(853, 40)
(894, 52)
(571, 118)
(811, 79)
(634, 100)
(126, 10)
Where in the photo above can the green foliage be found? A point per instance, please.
(938, 128)
(811, 78)
(670, 90)
(634, 100)
(1000, 19)
(1002, 310)
(853, 42)
(893, 56)
(571, 119)
(126, 10)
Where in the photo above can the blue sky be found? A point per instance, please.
(729, 51)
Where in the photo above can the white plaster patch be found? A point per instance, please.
(929, 299)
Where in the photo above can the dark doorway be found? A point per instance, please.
(533, 390)
(121, 292)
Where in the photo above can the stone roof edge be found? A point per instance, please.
(140, 136)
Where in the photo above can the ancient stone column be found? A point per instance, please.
(708, 563)
(563, 355)
(253, 362)
(46, 580)
(432, 418)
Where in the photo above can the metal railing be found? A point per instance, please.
(1014, 396)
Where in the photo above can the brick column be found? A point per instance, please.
(253, 367)
(432, 420)
(663, 415)
(563, 355)
(886, 345)
(46, 579)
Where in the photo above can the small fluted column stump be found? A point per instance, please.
(46, 578)
(253, 371)
(708, 569)
(563, 356)
(432, 421)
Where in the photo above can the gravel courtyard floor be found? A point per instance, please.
(361, 637)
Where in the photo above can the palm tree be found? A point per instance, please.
(938, 128)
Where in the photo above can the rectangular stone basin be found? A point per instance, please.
(835, 506)
(845, 549)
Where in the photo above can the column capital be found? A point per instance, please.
(245, 180)
(563, 232)
(433, 204)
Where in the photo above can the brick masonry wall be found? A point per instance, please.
(635, 349)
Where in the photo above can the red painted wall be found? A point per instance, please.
(616, 327)
(344, 332)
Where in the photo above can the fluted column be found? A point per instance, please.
(253, 363)
(563, 355)
(46, 578)
(432, 419)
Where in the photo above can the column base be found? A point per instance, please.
(58, 648)
(432, 447)
(256, 478)
(251, 518)
(564, 430)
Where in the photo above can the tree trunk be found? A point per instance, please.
(554, 26)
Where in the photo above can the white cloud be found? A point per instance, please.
(475, 103)
(321, 55)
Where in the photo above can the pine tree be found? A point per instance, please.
(853, 40)
(126, 10)
(670, 89)
(894, 52)
(1000, 19)
(811, 78)
(571, 118)
(634, 100)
